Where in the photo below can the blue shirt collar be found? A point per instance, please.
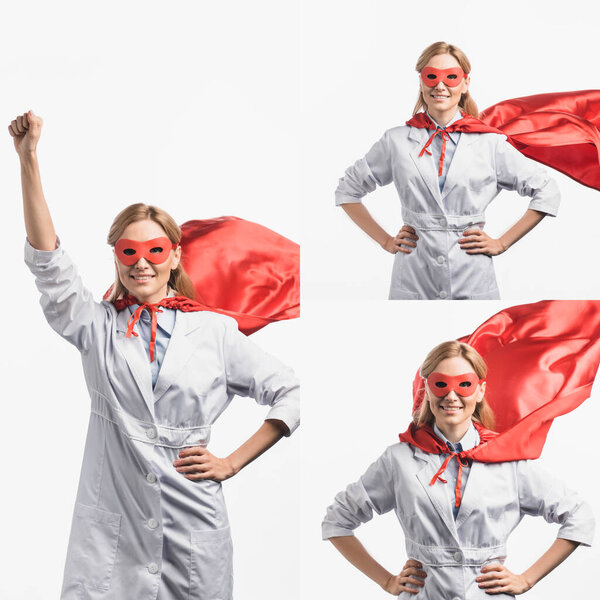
(468, 441)
(454, 135)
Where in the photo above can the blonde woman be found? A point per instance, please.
(455, 532)
(150, 518)
(446, 173)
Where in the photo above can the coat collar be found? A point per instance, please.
(179, 352)
(427, 168)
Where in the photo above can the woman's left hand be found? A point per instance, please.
(497, 579)
(477, 241)
(198, 463)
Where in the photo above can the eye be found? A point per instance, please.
(129, 252)
(465, 384)
(431, 76)
(440, 384)
(452, 76)
(156, 250)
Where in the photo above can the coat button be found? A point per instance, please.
(443, 294)
(443, 223)
(151, 433)
(458, 556)
(151, 478)
(152, 568)
(152, 523)
(441, 260)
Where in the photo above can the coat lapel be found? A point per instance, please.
(134, 353)
(459, 165)
(437, 492)
(467, 504)
(425, 164)
(178, 354)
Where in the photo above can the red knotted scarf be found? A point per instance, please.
(560, 130)
(542, 359)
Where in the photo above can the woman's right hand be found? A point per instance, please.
(26, 130)
(412, 573)
(405, 237)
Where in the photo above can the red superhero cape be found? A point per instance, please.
(238, 268)
(560, 130)
(542, 360)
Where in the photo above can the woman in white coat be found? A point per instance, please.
(445, 184)
(455, 532)
(150, 520)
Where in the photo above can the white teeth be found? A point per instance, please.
(142, 277)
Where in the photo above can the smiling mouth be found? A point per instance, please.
(141, 277)
(451, 408)
(439, 97)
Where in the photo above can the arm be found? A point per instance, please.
(355, 553)
(362, 178)
(497, 579)
(198, 463)
(249, 372)
(26, 131)
(541, 494)
(516, 172)
(362, 217)
(479, 242)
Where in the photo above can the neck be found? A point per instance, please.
(442, 118)
(454, 433)
(151, 299)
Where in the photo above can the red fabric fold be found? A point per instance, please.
(560, 130)
(542, 360)
(238, 268)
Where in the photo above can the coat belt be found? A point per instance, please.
(441, 222)
(146, 431)
(454, 556)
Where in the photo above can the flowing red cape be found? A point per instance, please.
(241, 269)
(560, 130)
(542, 360)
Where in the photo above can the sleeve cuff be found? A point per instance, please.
(328, 531)
(42, 258)
(341, 198)
(287, 414)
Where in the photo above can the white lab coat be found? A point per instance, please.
(483, 165)
(140, 529)
(496, 497)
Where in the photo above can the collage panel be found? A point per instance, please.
(377, 477)
(123, 449)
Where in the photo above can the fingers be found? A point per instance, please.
(194, 450)
(411, 562)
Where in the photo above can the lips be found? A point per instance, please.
(142, 277)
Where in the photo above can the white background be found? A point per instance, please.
(188, 105)
(199, 107)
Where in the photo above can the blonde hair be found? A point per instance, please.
(466, 103)
(179, 281)
(483, 413)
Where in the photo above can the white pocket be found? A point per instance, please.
(92, 547)
(211, 571)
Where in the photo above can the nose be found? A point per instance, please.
(142, 263)
(452, 395)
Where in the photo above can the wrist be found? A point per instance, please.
(28, 156)
(234, 466)
(385, 579)
(528, 581)
(384, 242)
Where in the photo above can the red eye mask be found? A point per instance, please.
(155, 251)
(451, 77)
(463, 385)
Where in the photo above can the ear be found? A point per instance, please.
(466, 82)
(176, 258)
(481, 391)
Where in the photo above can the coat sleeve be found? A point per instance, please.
(514, 171)
(541, 494)
(251, 372)
(366, 173)
(374, 491)
(68, 306)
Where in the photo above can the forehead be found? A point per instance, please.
(140, 231)
(457, 365)
(443, 61)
